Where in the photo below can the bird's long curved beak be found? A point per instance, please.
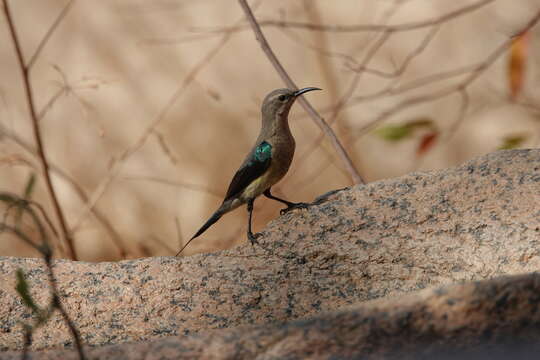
(304, 90)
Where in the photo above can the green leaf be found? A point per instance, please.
(7, 197)
(397, 132)
(24, 293)
(512, 142)
(29, 186)
(22, 206)
(393, 132)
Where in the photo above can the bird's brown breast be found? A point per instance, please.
(282, 155)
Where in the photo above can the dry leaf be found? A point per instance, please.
(427, 142)
(517, 65)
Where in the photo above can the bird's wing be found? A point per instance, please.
(258, 162)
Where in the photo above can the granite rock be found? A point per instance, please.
(473, 222)
(493, 319)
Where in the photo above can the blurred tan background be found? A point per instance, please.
(111, 67)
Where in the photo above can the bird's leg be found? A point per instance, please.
(290, 205)
(251, 236)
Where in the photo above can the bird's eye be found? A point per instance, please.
(282, 98)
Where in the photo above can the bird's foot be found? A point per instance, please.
(292, 206)
(253, 237)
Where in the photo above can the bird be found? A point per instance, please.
(266, 163)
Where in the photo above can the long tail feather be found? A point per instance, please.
(215, 217)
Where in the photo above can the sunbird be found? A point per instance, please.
(266, 164)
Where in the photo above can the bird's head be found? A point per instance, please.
(278, 103)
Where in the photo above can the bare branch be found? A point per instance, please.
(164, 147)
(460, 87)
(50, 103)
(180, 184)
(342, 102)
(49, 33)
(471, 73)
(305, 104)
(178, 232)
(103, 186)
(188, 80)
(464, 106)
(356, 28)
(101, 218)
(405, 64)
(162, 243)
(66, 238)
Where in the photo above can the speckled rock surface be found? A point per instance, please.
(494, 319)
(472, 222)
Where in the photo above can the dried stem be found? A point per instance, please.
(101, 218)
(360, 69)
(356, 28)
(459, 88)
(49, 33)
(66, 238)
(180, 184)
(355, 176)
(471, 73)
(150, 129)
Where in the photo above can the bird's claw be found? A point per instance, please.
(299, 205)
(253, 238)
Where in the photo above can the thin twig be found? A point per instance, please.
(50, 103)
(369, 56)
(393, 90)
(164, 147)
(465, 101)
(27, 204)
(178, 232)
(49, 33)
(314, 172)
(408, 59)
(305, 104)
(162, 243)
(356, 28)
(101, 218)
(472, 71)
(180, 184)
(342, 102)
(115, 169)
(460, 87)
(66, 238)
